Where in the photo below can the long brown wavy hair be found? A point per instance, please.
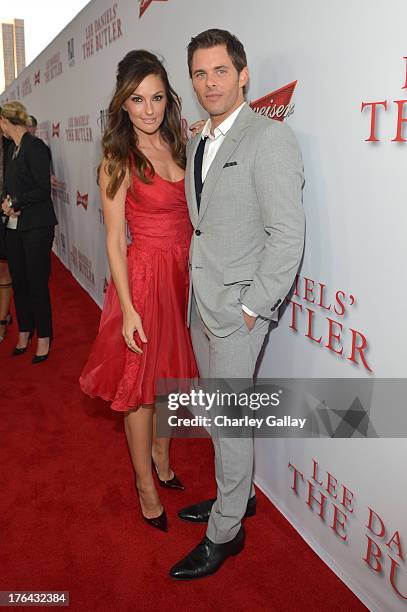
(120, 141)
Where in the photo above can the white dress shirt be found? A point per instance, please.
(212, 146)
(214, 141)
(12, 223)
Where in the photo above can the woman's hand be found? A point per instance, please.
(197, 126)
(131, 324)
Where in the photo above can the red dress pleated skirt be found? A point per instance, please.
(157, 259)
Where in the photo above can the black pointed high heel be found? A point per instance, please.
(159, 522)
(173, 483)
(41, 358)
(21, 351)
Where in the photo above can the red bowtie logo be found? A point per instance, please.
(82, 200)
(144, 4)
(55, 129)
(37, 76)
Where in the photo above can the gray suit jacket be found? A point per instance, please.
(249, 234)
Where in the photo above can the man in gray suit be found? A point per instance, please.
(243, 184)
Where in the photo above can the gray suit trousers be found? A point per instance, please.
(233, 356)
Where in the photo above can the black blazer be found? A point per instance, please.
(27, 178)
(4, 144)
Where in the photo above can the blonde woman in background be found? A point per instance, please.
(5, 280)
(30, 228)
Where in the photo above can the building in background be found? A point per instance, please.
(12, 51)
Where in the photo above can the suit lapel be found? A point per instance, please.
(232, 139)
(190, 182)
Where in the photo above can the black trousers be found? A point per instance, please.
(29, 260)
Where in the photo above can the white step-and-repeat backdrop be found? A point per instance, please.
(337, 73)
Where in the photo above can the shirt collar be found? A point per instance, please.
(223, 128)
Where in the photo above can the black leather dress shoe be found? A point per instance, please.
(207, 558)
(199, 513)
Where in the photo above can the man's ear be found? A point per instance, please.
(244, 76)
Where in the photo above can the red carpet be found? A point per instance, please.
(70, 518)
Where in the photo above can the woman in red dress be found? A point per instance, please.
(143, 335)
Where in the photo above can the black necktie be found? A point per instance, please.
(198, 170)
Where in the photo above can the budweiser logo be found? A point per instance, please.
(144, 4)
(37, 77)
(55, 129)
(82, 200)
(277, 104)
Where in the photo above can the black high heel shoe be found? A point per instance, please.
(41, 358)
(21, 351)
(159, 522)
(173, 483)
